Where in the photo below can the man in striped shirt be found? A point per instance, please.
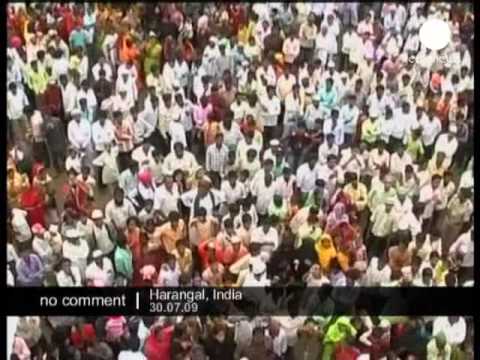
(217, 156)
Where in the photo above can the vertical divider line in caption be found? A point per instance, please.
(137, 300)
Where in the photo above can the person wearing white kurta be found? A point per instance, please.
(119, 213)
(185, 162)
(431, 127)
(285, 186)
(209, 202)
(348, 118)
(448, 144)
(376, 276)
(103, 132)
(233, 193)
(434, 199)
(86, 92)
(16, 103)
(76, 251)
(143, 154)
(238, 108)
(266, 71)
(102, 64)
(79, 132)
(313, 112)
(74, 279)
(169, 275)
(454, 329)
(126, 83)
(42, 248)
(293, 109)
(267, 237)
(176, 130)
(168, 76)
(99, 272)
(69, 94)
(399, 160)
(270, 108)
(306, 176)
(109, 48)
(291, 49)
(108, 161)
(166, 199)
(263, 193)
(148, 119)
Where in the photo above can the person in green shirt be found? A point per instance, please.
(371, 129)
(415, 146)
(123, 260)
(384, 189)
(316, 198)
(37, 78)
(340, 331)
(279, 207)
(153, 53)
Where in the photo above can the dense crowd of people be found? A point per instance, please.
(239, 145)
(244, 338)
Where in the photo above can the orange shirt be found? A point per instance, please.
(170, 236)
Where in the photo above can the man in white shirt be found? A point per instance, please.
(464, 247)
(399, 160)
(119, 209)
(270, 111)
(102, 64)
(75, 249)
(279, 339)
(181, 159)
(266, 236)
(16, 102)
(132, 350)
(169, 274)
(99, 272)
(448, 144)
(453, 327)
(431, 127)
(79, 132)
(307, 175)
(348, 119)
(166, 197)
(69, 94)
(148, 118)
(103, 132)
(313, 112)
(68, 276)
(143, 154)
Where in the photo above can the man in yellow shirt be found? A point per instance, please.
(371, 129)
(357, 191)
(37, 78)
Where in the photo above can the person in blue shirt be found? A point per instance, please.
(328, 97)
(78, 38)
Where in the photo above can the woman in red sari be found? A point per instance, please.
(76, 196)
(33, 201)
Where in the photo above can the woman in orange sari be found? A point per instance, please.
(76, 196)
(134, 238)
(16, 184)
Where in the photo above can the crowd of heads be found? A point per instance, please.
(239, 145)
(245, 338)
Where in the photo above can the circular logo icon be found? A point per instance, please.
(435, 34)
